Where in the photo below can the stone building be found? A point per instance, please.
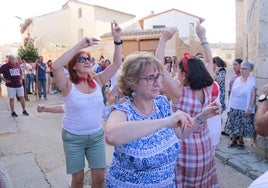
(252, 36)
(252, 45)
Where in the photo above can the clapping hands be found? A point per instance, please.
(180, 119)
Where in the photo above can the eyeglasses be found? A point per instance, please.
(151, 79)
(83, 59)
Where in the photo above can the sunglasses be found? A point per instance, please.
(83, 59)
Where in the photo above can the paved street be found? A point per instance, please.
(32, 155)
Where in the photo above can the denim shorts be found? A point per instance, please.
(77, 147)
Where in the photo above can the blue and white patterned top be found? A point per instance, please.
(148, 161)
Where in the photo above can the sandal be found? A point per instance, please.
(240, 145)
(233, 144)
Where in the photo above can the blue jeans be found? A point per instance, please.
(42, 88)
(30, 82)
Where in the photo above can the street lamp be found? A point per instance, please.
(18, 18)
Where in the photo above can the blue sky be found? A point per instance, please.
(219, 14)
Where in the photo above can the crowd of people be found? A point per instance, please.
(156, 111)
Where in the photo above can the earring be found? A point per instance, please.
(74, 68)
(133, 94)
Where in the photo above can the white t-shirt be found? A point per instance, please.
(241, 93)
(260, 182)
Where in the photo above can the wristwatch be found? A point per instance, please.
(263, 97)
(199, 120)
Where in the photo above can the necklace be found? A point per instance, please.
(140, 109)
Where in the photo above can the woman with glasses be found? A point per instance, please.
(82, 131)
(195, 165)
(240, 117)
(143, 129)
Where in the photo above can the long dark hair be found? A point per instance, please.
(219, 62)
(197, 74)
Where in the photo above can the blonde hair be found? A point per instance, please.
(133, 67)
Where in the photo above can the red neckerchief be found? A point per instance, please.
(237, 73)
(89, 81)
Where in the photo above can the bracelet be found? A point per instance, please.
(199, 120)
(118, 43)
(203, 43)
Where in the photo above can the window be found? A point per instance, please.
(158, 26)
(79, 12)
(228, 56)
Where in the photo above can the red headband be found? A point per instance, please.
(186, 56)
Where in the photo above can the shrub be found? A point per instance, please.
(29, 53)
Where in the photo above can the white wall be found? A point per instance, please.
(172, 19)
(62, 28)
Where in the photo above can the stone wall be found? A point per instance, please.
(253, 34)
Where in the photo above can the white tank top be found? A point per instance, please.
(83, 112)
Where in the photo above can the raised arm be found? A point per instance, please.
(171, 87)
(61, 80)
(107, 74)
(201, 33)
(167, 34)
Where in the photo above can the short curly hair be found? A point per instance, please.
(133, 67)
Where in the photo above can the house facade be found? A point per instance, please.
(184, 22)
(60, 30)
(152, 26)
(56, 32)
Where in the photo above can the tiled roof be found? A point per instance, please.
(173, 9)
(223, 46)
(131, 33)
(141, 21)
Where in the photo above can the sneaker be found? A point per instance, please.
(13, 114)
(25, 113)
(53, 92)
(45, 98)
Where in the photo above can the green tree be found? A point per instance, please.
(28, 53)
